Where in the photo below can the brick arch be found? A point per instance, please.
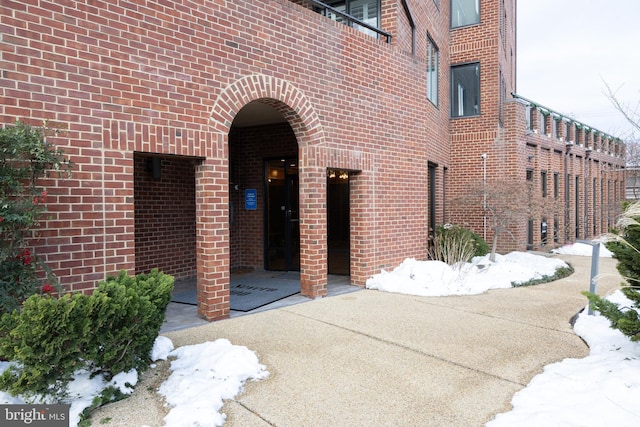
(279, 94)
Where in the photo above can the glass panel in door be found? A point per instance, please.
(282, 215)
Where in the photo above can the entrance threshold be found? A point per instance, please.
(182, 316)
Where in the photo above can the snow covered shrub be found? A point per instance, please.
(25, 158)
(560, 273)
(109, 332)
(453, 244)
(625, 245)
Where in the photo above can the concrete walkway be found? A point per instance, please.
(370, 358)
(373, 358)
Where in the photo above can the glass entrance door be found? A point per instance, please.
(282, 251)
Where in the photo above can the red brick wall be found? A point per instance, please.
(165, 217)
(248, 148)
(512, 150)
(168, 78)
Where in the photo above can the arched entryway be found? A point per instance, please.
(260, 119)
(264, 191)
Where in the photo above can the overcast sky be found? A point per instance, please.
(568, 49)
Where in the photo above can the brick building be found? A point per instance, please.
(324, 137)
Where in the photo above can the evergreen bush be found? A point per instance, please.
(560, 273)
(108, 332)
(624, 243)
(128, 313)
(47, 338)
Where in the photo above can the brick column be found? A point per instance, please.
(313, 230)
(362, 218)
(212, 239)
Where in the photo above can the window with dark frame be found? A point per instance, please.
(530, 220)
(464, 12)
(556, 185)
(432, 71)
(465, 90)
(501, 99)
(543, 182)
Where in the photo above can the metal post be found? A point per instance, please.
(595, 258)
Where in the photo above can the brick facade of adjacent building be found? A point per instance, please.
(134, 80)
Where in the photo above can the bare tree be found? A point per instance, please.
(508, 203)
(632, 152)
(630, 113)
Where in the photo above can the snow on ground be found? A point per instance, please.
(601, 389)
(435, 278)
(582, 249)
(203, 375)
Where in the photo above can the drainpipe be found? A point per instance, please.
(567, 186)
(484, 195)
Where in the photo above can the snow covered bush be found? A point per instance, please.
(625, 246)
(109, 332)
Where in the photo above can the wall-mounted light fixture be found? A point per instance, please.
(154, 167)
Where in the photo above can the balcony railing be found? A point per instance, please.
(351, 21)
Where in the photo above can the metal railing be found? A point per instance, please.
(350, 20)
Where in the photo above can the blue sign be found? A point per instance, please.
(250, 199)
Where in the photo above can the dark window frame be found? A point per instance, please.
(456, 79)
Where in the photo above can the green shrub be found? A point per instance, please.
(624, 243)
(128, 313)
(47, 338)
(625, 320)
(560, 273)
(25, 158)
(109, 332)
(453, 244)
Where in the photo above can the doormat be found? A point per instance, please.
(252, 292)
(249, 293)
(185, 297)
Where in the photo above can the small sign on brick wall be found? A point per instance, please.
(251, 199)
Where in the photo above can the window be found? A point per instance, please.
(543, 182)
(432, 169)
(556, 184)
(503, 21)
(501, 99)
(465, 90)
(367, 11)
(432, 71)
(464, 12)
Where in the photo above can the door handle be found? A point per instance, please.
(289, 212)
